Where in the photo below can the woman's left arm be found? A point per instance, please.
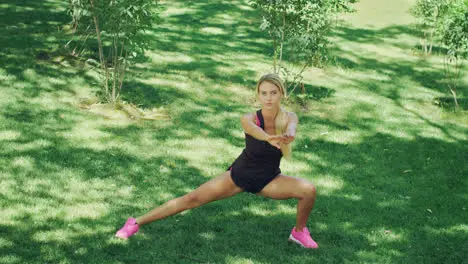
(290, 132)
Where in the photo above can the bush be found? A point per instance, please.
(118, 27)
(447, 22)
(299, 30)
(429, 14)
(453, 33)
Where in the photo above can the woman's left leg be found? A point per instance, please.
(286, 187)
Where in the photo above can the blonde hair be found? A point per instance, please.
(281, 119)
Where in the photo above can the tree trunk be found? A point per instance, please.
(116, 70)
(431, 42)
(274, 54)
(454, 94)
(101, 55)
(98, 34)
(297, 80)
(424, 43)
(282, 41)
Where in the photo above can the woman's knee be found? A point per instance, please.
(192, 200)
(308, 190)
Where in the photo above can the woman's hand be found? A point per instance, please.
(275, 140)
(288, 137)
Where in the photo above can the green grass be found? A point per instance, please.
(389, 165)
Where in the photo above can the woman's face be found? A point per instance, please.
(269, 95)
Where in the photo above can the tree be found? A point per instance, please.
(429, 14)
(446, 21)
(453, 34)
(298, 30)
(118, 27)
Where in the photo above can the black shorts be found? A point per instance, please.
(252, 181)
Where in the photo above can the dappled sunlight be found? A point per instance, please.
(380, 13)
(256, 210)
(30, 75)
(59, 197)
(5, 242)
(67, 235)
(24, 163)
(296, 163)
(203, 153)
(213, 31)
(390, 203)
(371, 75)
(321, 226)
(168, 57)
(352, 197)
(224, 19)
(372, 256)
(57, 235)
(241, 92)
(94, 134)
(208, 235)
(286, 209)
(328, 185)
(162, 194)
(88, 210)
(460, 229)
(10, 258)
(456, 229)
(237, 260)
(385, 53)
(342, 137)
(33, 145)
(79, 191)
(407, 119)
(397, 132)
(176, 9)
(244, 62)
(375, 146)
(9, 215)
(219, 122)
(382, 236)
(88, 132)
(7, 186)
(300, 168)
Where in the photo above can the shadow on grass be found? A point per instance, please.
(363, 35)
(436, 50)
(448, 103)
(33, 40)
(212, 28)
(315, 92)
(63, 196)
(212, 38)
(386, 205)
(392, 66)
(32, 43)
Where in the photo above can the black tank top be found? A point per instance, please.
(261, 152)
(258, 164)
(258, 157)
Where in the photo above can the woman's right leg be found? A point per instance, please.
(216, 189)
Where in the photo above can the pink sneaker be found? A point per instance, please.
(302, 238)
(129, 229)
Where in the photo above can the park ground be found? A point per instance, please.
(389, 164)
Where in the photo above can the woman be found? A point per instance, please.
(268, 134)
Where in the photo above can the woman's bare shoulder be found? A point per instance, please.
(248, 117)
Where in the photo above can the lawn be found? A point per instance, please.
(390, 166)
